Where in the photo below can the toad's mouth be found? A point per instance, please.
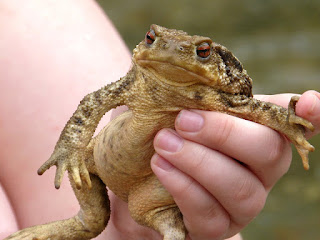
(174, 74)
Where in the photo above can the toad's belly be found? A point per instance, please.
(122, 155)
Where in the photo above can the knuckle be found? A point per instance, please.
(223, 131)
(278, 146)
(213, 228)
(186, 188)
(221, 226)
(218, 230)
(244, 190)
(193, 158)
(251, 198)
(255, 207)
(201, 156)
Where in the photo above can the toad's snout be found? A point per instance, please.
(174, 45)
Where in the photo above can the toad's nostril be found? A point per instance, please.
(165, 44)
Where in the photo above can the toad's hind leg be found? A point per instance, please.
(151, 205)
(88, 223)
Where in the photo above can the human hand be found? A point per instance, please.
(220, 168)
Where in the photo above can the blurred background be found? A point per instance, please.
(278, 44)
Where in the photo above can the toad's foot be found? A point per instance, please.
(302, 145)
(72, 160)
(293, 118)
(87, 224)
(54, 231)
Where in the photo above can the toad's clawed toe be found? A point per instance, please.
(293, 118)
(298, 138)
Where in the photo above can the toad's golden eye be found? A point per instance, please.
(150, 37)
(204, 50)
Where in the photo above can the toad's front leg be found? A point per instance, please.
(73, 152)
(71, 149)
(271, 115)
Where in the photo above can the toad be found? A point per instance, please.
(171, 71)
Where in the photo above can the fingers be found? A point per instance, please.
(215, 193)
(263, 150)
(201, 211)
(308, 107)
(210, 187)
(223, 167)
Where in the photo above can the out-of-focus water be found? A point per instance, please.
(278, 43)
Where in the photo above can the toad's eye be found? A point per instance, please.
(204, 50)
(150, 37)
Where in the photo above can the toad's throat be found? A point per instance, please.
(172, 73)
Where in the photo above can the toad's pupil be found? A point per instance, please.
(150, 37)
(203, 50)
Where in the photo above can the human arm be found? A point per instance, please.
(50, 58)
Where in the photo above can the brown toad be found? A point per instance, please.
(171, 71)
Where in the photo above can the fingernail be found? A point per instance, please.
(168, 141)
(161, 163)
(189, 121)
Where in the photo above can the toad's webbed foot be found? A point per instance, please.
(300, 142)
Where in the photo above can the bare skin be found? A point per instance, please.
(154, 167)
(43, 78)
